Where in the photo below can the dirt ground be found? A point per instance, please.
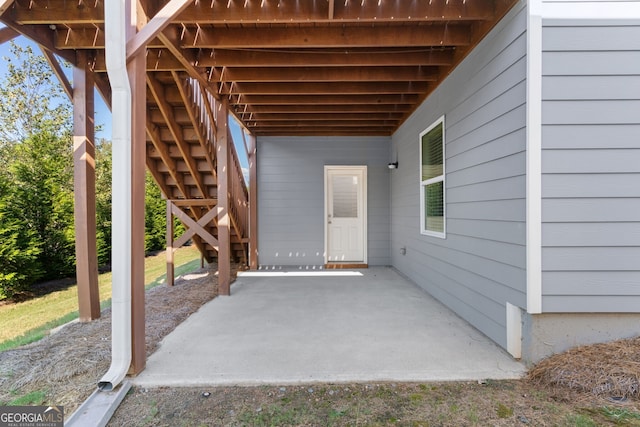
(63, 369)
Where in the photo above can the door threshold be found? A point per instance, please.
(344, 265)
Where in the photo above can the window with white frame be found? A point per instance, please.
(432, 182)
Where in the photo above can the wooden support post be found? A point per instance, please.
(137, 71)
(253, 205)
(170, 231)
(84, 176)
(224, 223)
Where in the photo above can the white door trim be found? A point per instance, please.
(365, 238)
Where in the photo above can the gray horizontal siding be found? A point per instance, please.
(571, 136)
(590, 160)
(291, 196)
(577, 87)
(589, 304)
(590, 112)
(481, 264)
(568, 185)
(602, 63)
(592, 234)
(590, 258)
(618, 283)
(609, 210)
(591, 166)
(563, 36)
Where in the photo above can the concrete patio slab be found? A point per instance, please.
(303, 326)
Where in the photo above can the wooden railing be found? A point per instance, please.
(238, 194)
(206, 106)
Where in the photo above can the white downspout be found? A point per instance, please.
(116, 58)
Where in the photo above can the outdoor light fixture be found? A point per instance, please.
(393, 165)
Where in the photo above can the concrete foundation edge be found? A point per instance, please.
(551, 333)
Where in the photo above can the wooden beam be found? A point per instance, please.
(325, 108)
(224, 223)
(158, 23)
(326, 74)
(87, 37)
(320, 116)
(196, 227)
(69, 12)
(197, 240)
(301, 12)
(266, 125)
(326, 58)
(84, 177)
(42, 36)
(325, 37)
(170, 249)
(158, 93)
(157, 60)
(196, 121)
(7, 34)
(325, 131)
(211, 117)
(4, 5)
(410, 11)
(171, 39)
(327, 99)
(104, 88)
(195, 202)
(253, 205)
(157, 175)
(57, 69)
(237, 202)
(165, 157)
(325, 88)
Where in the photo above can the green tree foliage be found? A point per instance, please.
(32, 99)
(155, 208)
(37, 236)
(155, 220)
(19, 251)
(103, 202)
(36, 202)
(42, 199)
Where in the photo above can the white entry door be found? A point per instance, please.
(346, 208)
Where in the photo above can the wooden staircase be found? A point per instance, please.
(186, 129)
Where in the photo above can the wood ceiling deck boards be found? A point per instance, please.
(313, 67)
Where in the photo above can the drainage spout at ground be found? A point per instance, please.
(116, 58)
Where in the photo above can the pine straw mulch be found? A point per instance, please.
(608, 370)
(68, 364)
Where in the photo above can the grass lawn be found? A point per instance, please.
(29, 321)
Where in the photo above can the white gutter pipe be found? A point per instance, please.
(115, 51)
